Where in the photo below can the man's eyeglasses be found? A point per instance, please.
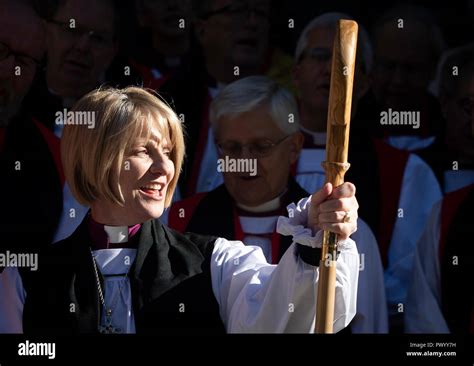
(256, 149)
(101, 39)
(21, 58)
(240, 11)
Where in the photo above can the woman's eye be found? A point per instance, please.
(142, 152)
(167, 153)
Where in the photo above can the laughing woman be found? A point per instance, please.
(122, 271)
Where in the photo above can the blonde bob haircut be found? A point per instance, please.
(94, 157)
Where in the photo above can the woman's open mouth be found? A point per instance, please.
(153, 191)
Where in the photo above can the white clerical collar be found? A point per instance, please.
(319, 138)
(269, 206)
(117, 234)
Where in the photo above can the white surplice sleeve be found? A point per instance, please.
(371, 316)
(255, 296)
(416, 205)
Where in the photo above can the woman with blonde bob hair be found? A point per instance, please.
(122, 271)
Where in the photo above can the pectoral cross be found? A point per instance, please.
(108, 328)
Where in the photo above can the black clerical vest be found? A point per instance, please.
(170, 282)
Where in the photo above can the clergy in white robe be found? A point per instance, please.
(396, 189)
(444, 256)
(411, 214)
(435, 304)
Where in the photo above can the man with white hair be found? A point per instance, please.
(400, 208)
(255, 120)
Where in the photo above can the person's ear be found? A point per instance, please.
(296, 144)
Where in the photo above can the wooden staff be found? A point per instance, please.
(336, 165)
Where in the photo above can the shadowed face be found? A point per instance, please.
(236, 32)
(404, 65)
(458, 111)
(21, 46)
(164, 16)
(257, 129)
(312, 75)
(80, 46)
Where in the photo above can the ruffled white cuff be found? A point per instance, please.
(296, 226)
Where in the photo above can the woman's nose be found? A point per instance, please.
(160, 165)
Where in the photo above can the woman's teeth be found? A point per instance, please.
(152, 187)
